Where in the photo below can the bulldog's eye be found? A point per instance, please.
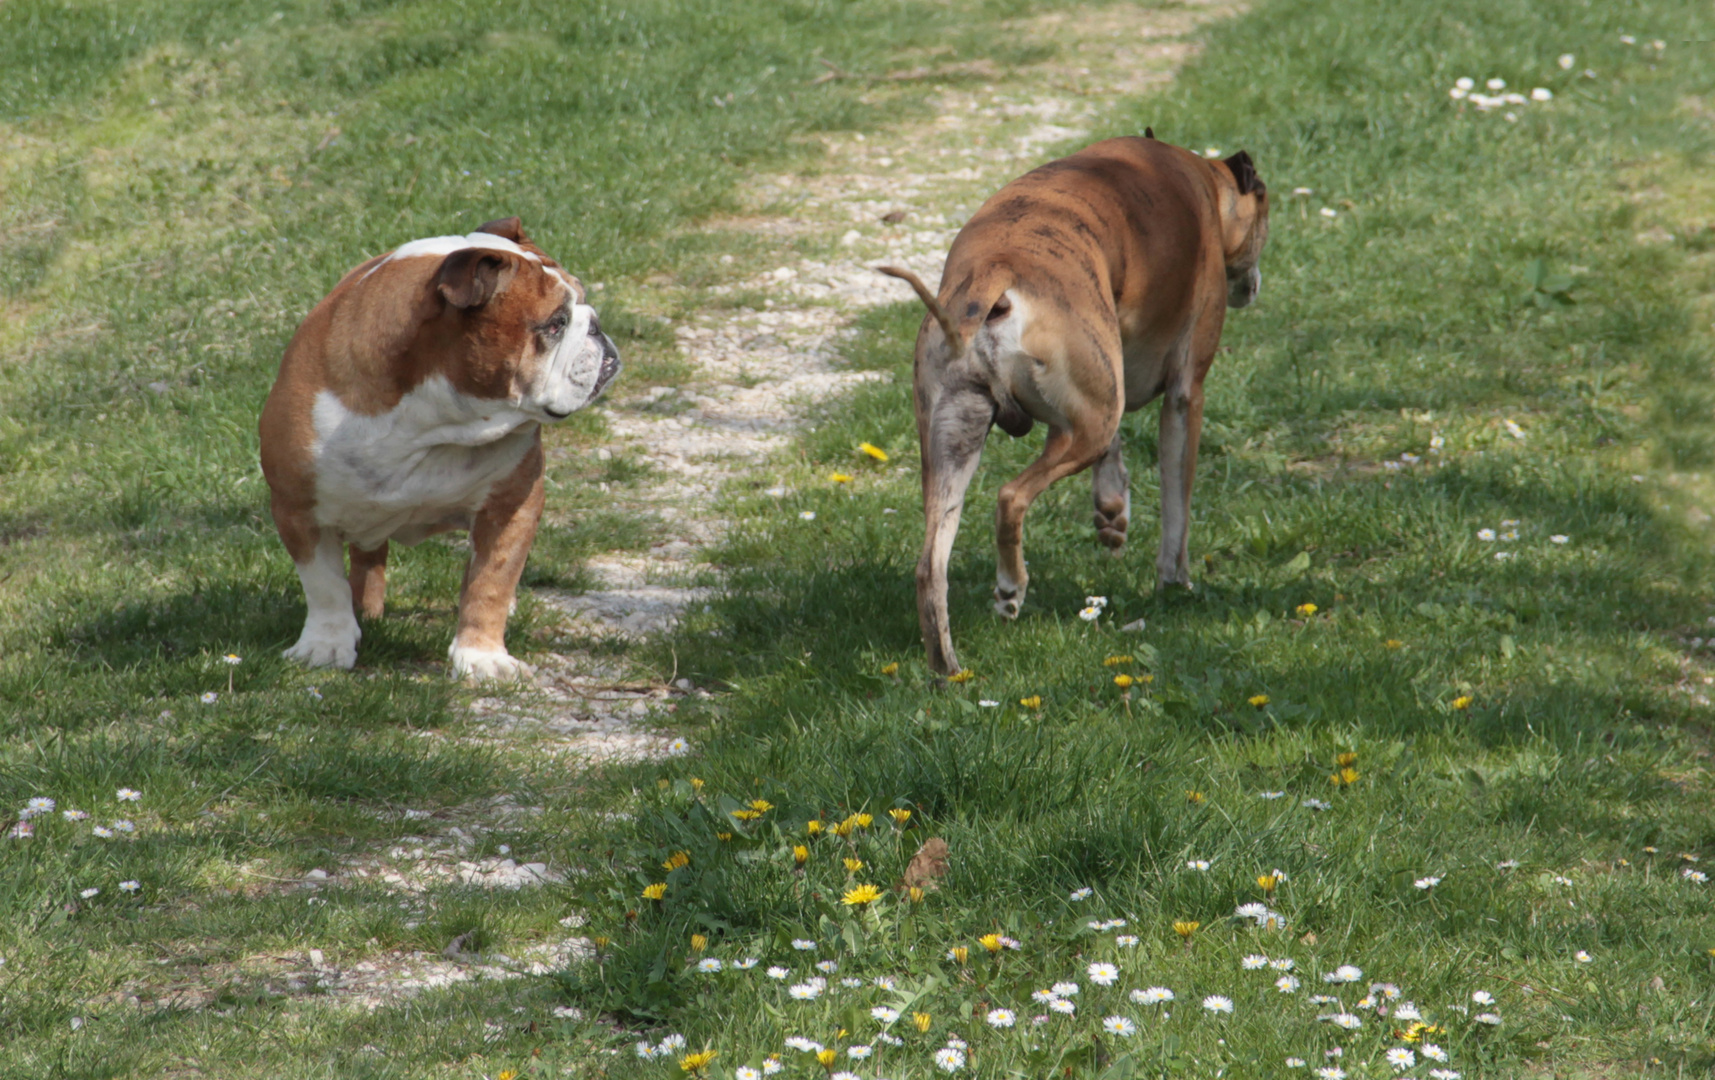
(555, 327)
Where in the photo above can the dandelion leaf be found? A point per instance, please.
(927, 866)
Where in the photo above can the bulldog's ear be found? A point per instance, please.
(507, 228)
(1244, 173)
(471, 277)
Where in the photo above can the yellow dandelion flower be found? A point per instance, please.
(813, 826)
(1344, 777)
(1116, 661)
(663, 783)
(800, 854)
(696, 785)
(1146, 679)
(1123, 681)
(505, 1074)
(862, 821)
(827, 1057)
(863, 894)
(723, 836)
(699, 942)
(916, 894)
(1034, 701)
(891, 669)
(1393, 643)
(599, 941)
(1267, 882)
(922, 1021)
(676, 860)
(761, 806)
(873, 451)
(697, 1062)
(1712, 952)
(1185, 928)
(853, 865)
(960, 954)
(843, 829)
(1259, 700)
(1304, 611)
(655, 891)
(840, 477)
(964, 676)
(747, 815)
(899, 815)
(991, 942)
(1194, 797)
(1463, 701)
(1347, 759)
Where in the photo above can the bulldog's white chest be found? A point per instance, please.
(426, 464)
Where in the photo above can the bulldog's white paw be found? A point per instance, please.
(487, 664)
(326, 645)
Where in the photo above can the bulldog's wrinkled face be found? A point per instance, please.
(1244, 222)
(528, 337)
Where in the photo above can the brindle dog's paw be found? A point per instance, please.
(1111, 530)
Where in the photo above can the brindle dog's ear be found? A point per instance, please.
(1244, 173)
(471, 277)
(507, 228)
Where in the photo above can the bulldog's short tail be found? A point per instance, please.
(955, 337)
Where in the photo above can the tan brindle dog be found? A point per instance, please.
(410, 402)
(1080, 291)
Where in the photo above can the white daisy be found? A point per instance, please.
(1329, 212)
(805, 991)
(843, 1075)
(771, 1065)
(74, 815)
(1385, 990)
(1065, 989)
(130, 886)
(1154, 995)
(41, 804)
(803, 1045)
(1444, 1074)
(850, 983)
(1486, 535)
(1090, 614)
(1126, 940)
(1119, 1025)
(1082, 894)
(829, 966)
(807, 515)
(1323, 999)
(1483, 997)
(1197, 864)
(1349, 1021)
(1331, 1072)
(1497, 84)
(124, 826)
(746, 1072)
(1254, 962)
(1251, 910)
(645, 1050)
(1401, 1058)
(746, 964)
(1062, 1006)
(102, 832)
(950, 1059)
(1296, 1063)
(1286, 984)
(1465, 82)
(803, 944)
(1215, 1003)
(1345, 973)
(1433, 1052)
(1693, 875)
(1491, 1019)
(778, 972)
(1559, 538)
(679, 747)
(1582, 957)
(1513, 429)
(1001, 1018)
(1566, 61)
(1043, 997)
(89, 893)
(1427, 883)
(858, 1053)
(210, 697)
(1270, 794)
(1285, 963)
(1104, 974)
(1316, 804)
(1096, 601)
(671, 1043)
(884, 1014)
(884, 982)
(1405, 1010)
(708, 963)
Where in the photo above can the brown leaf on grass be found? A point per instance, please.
(1308, 939)
(929, 863)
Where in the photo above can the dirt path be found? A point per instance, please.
(896, 196)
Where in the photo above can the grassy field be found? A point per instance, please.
(1521, 305)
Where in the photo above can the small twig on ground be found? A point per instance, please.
(829, 75)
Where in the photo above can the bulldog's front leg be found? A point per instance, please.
(500, 540)
(331, 632)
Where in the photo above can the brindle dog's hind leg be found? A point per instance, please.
(1111, 485)
(952, 432)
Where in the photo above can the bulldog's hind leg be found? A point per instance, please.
(1111, 485)
(952, 437)
(331, 633)
(368, 580)
(500, 540)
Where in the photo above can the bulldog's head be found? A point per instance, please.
(1244, 229)
(526, 336)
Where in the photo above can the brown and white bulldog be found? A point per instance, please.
(411, 402)
(1080, 291)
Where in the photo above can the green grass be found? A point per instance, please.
(174, 194)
